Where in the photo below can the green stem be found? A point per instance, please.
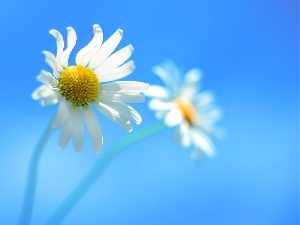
(27, 207)
(100, 166)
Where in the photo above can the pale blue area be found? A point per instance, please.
(248, 51)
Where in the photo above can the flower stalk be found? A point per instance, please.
(99, 168)
(27, 207)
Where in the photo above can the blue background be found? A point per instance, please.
(248, 51)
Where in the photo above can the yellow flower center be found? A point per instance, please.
(187, 109)
(79, 85)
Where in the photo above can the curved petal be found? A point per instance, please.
(50, 99)
(115, 74)
(202, 141)
(50, 59)
(204, 99)
(83, 57)
(168, 73)
(114, 116)
(67, 130)
(125, 86)
(60, 46)
(46, 95)
(185, 136)
(71, 43)
(93, 127)
(182, 135)
(78, 133)
(42, 91)
(116, 59)
(47, 78)
(125, 110)
(62, 114)
(214, 115)
(157, 91)
(122, 97)
(162, 74)
(193, 75)
(191, 84)
(106, 49)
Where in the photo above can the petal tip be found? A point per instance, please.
(96, 28)
(120, 31)
(131, 47)
(53, 32)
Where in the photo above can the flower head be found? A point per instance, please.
(180, 105)
(77, 87)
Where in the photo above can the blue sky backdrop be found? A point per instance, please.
(249, 54)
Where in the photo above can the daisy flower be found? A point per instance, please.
(180, 105)
(75, 88)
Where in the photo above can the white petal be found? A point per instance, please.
(67, 129)
(93, 127)
(50, 59)
(193, 75)
(202, 141)
(182, 134)
(60, 47)
(204, 99)
(115, 74)
(191, 84)
(71, 43)
(78, 134)
(157, 104)
(125, 86)
(185, 136)
(162, 73)
(62, 114)
(47, 78)
(116, 59)
(169, 74)
(106, 49)
(206, 119)
(83, 57)
(42, 91)
(46, 95)
(122, 97)
(214, 115)
(125, 110)
(114, 116)
(157, 91)
(50, 100)
(173, 118)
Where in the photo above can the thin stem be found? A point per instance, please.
(70, 201)
(27, 207)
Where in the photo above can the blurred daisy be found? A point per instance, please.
(79, 86)
(180, 105)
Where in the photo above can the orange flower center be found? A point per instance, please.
(187, 109)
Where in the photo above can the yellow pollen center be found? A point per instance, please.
(79, 85)
(187, 109)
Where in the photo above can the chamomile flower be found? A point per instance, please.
(76, 87)
(180, 105)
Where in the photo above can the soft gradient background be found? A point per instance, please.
(248, 51)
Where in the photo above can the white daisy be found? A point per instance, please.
(180, 105)
(78, 87)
